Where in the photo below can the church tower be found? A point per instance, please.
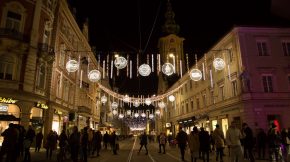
(170, 48)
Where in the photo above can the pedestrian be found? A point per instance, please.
(248, 142)
(106, 140)
(97, 142)
(91, 134)
(143, 142)
(30, 134)
(274, 141)
(74, 143)
(261, 143)
(233, 138)
(38, 141)
(219, 139)
(204, 140)
(181, 140)
(9, 144)
(84, 144)
(113, 142)
(162, 142)
(194, 144)
(212, 148)
(63, 143)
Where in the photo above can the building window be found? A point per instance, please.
(221, 92)
(185, 88)
(6, 68)
(197, 103)
(186, 108)
(66, 90)
(267, 83)
(59, 87)
(286, 48)
(13, 21)
(204, 100)
(192, 106)
(234, 88)
(62, 55)
(231, 55)
(262, 49)
(41, 77)
(182, 109)
(212, 97)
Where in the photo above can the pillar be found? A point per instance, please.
(25, 107)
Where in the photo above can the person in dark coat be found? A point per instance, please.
(74, 143)
(84, 144)
(97, 142)
(38, 141)
(261, 143)
(106, 140)
(204, 141)
(30, 134)
(63, 142)
(9, 144)
(113, 142)
(143, 142)
(248, 142)
(182, 140)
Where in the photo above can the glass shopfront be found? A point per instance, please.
(36, 118)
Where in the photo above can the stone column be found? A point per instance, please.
(25, 107)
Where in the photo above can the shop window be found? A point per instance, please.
(286, 48)
(267, 83)
(262, 48)
(6, 67)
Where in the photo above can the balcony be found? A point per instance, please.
(13, 34)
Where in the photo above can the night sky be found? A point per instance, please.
(127, 25)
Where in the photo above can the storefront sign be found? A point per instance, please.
(168, 125)
(7, 100)
(41, 105)
(3, 108)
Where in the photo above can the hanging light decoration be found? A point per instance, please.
(171, 98)
(136, 103)
(161, 104)
(120, 62)
(126, 98)
(168, 69)
(144, 70)
(143, 115)
(195, 74)
(114, 105)
(157, 112)
(148, 101)
(104, 99)
(151, 116)
(72, 66)
(219, 64)
(94, 75)
(136, 115)
(115, 112)
(128, 112)
(121, 116)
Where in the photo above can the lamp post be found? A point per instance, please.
(173, 57)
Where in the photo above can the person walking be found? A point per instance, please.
(248, 142)
(38, 141)
(113, 142)
(143, 142)
(74, 143)
(30, 134)
(162, 142)
(63, 142)
(97, 142)
(204, 140)
(261, 143)
(106, 140)
(219, 140)
(84, 144)
(233, 138)
(181, 140)
(194, 144)
(9, 143)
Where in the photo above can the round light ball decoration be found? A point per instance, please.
(136, 115)
(195, 75)
(115, 112)
(219, 63)
(126, 98)
(151, 116)
(121, 116)
(171, 98)
(168, 69)
(148, 101)
(161, 104)
(104, 99)
(94, 75)
(143, 115)
(136, 103)
(144, 70)
(72, 66)
(128, 112)
(157, 112)
(114, 105)
(120, 62)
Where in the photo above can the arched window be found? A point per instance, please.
(13, 17)
(6, 67)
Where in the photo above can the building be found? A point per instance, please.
(38, 38)
(253, 87)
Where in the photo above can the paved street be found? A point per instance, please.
(128, 153)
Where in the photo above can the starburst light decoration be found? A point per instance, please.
(121, 116)
(143, 115)
(94, 75)
(157, 112)
(161, 104)
(120, 62)
(104, 99)
(114, 105)
(144, 70)
(136, 115)
(168, 69)
(195, 75)
(115, 112)
(171, 98)
(128, 112)
(148, 101)
(72, 66)
(151, 116)
(126, 98)
(219, 63)
(136, 103)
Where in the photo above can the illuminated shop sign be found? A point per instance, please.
(41, 105)
(3, 108)
(7, 100)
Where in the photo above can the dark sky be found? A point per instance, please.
(126, 25)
